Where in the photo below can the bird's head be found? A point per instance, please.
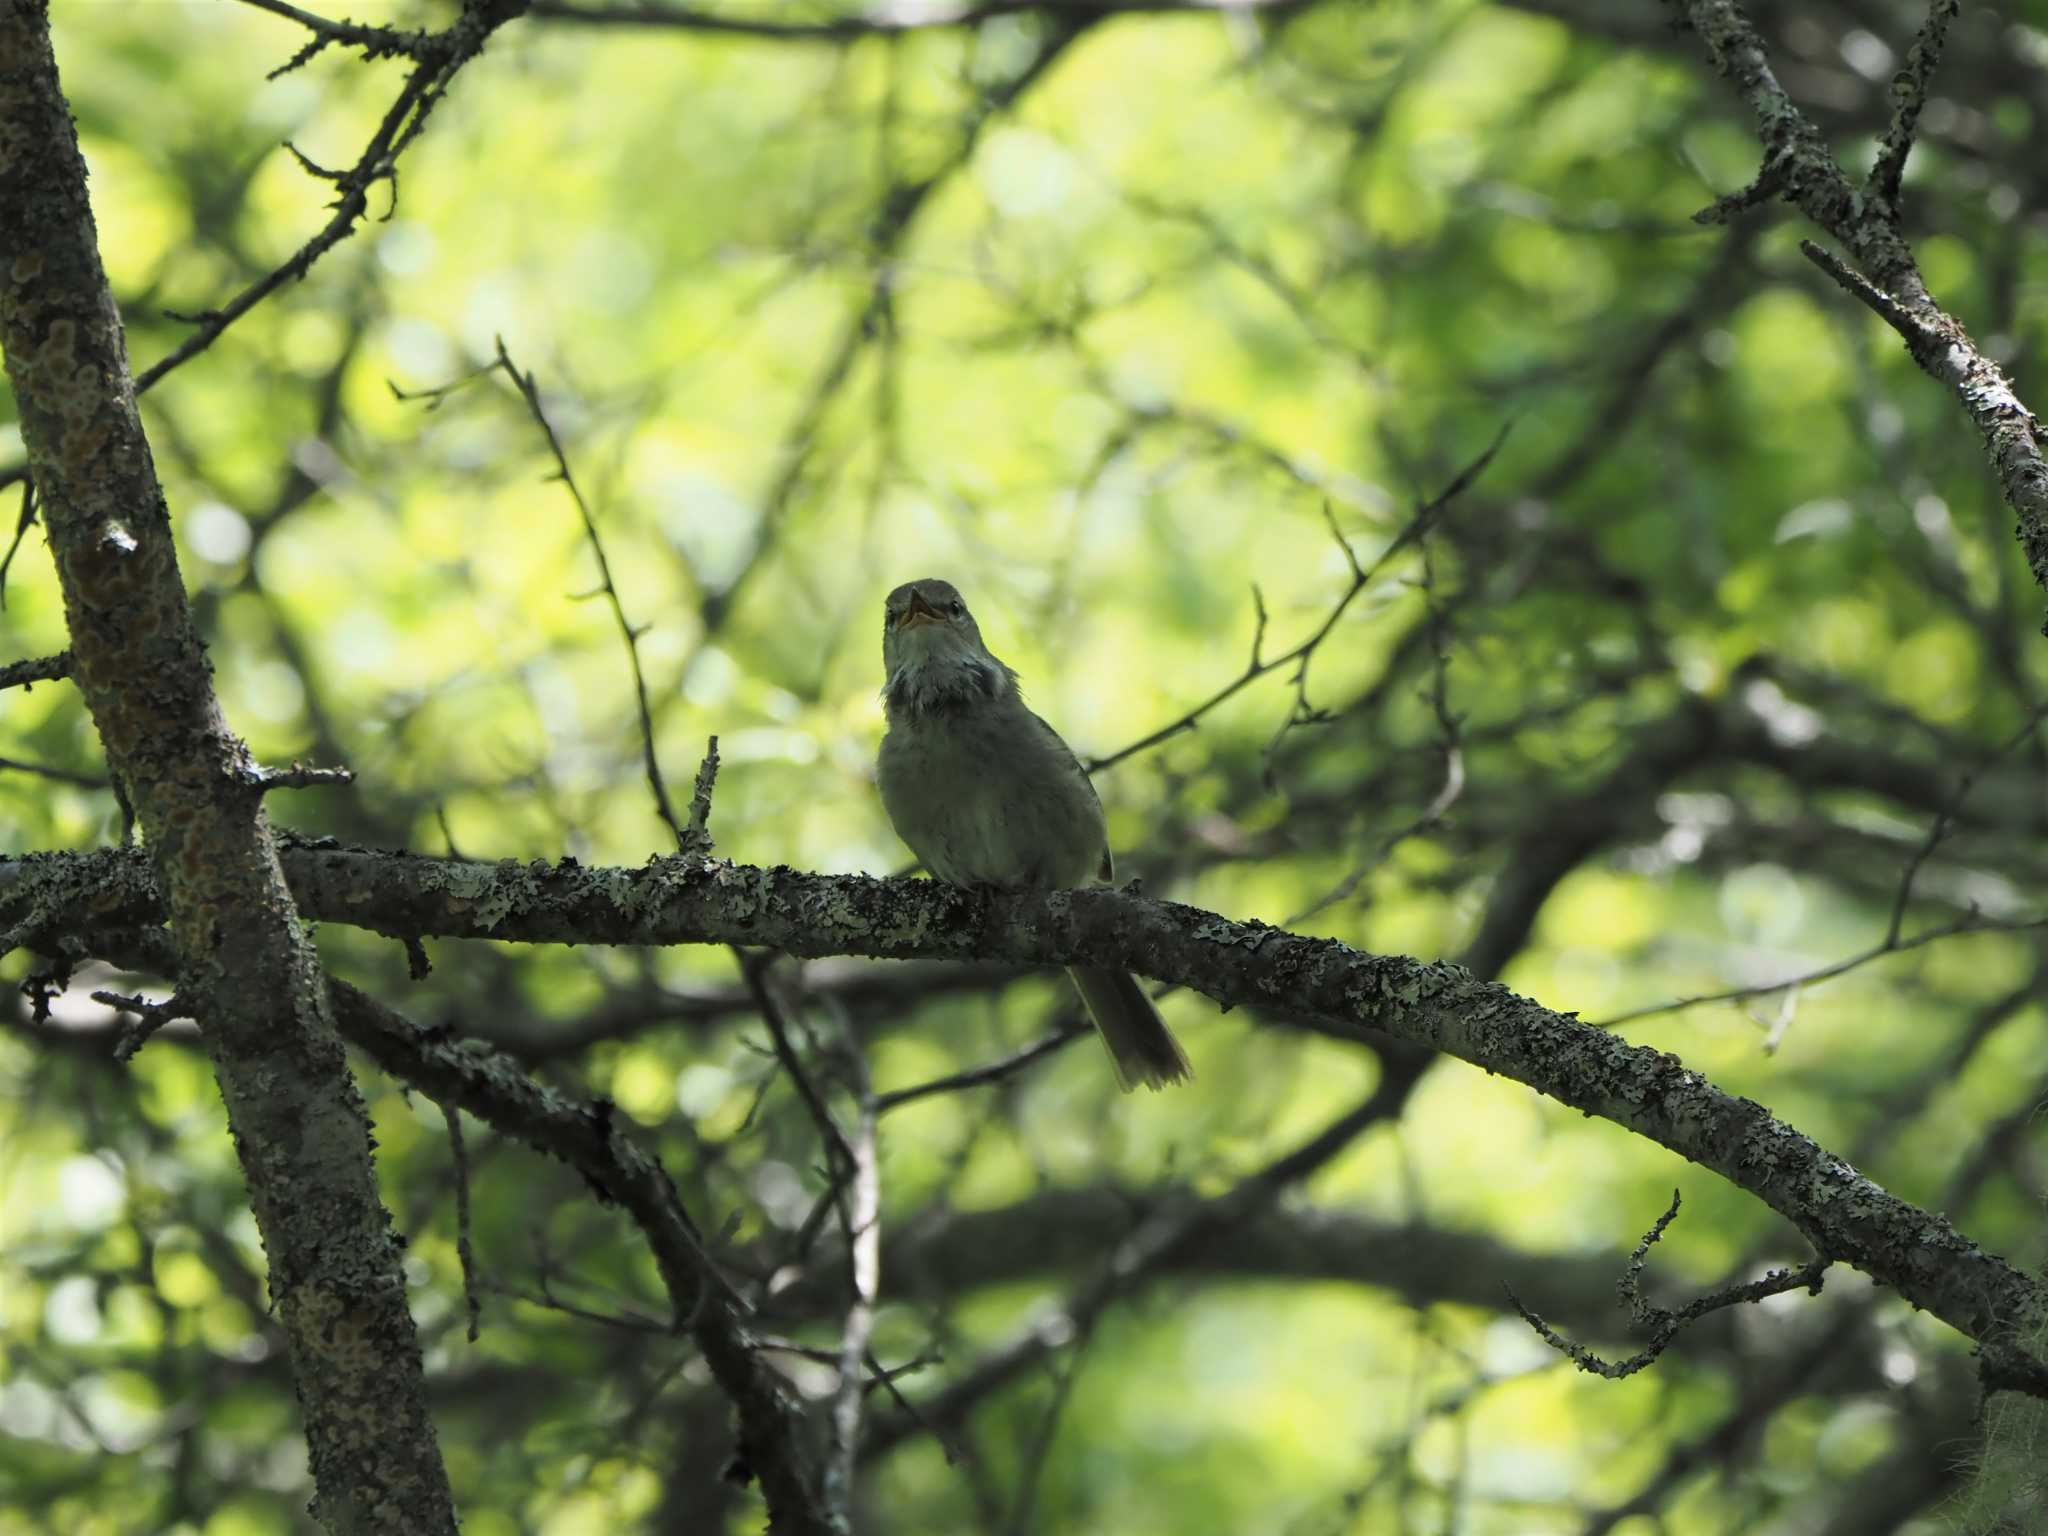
(924, 623)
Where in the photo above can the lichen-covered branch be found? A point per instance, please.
(244, 965)
(37, 669)
(1798, 166)
(679, 900)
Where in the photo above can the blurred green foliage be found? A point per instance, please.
(1114, 322)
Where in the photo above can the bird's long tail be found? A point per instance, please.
(1141, 1048)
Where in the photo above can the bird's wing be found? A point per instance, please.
(1065, 754)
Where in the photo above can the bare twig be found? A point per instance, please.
(1417, 527)
(878, 1375)
(1970, 923)
(996, 1071)
(899, 211)
(25, 521)
(439, 57)
(1894, 941)
(861, 1221)
(1895, 313)
(1909, 95)
(1664, 1324)
(886, 20)
(458, 1155)
(1947, 814)
(1042, 1436)
(298, 776)
(837, 1148)
(149, 1018)
(1449, 734)
(529, 392)
(625, 1321)
(55, 775)
(375, 42)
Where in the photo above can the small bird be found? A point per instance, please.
(986, 794)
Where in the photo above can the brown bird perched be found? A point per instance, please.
(986, 794)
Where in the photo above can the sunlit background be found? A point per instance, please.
(1142, 330)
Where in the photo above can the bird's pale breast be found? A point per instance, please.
(988, 795)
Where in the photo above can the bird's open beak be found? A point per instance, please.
(919, 612)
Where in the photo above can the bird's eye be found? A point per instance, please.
(956, 607)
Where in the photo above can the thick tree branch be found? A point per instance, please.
(1843, 1214)
(243, 962)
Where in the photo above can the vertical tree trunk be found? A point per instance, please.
(244, 962)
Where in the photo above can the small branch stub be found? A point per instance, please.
(298, 776)
(37, 669)
(149, 1018)
(696, 838)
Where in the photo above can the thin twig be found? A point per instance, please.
(38, 669)
(996, 1071)
(625, 1322)
(1039, 1450)
(22, 524)
(1152, 1243)
(837, 1147)
(861, 1221)
(1450, 735)
(1665, 1325)
(55, 775)
(1909, 95)
(886, 20)
(1895, 313)
(298, 776)
(458, 1155)
(529, 391)
(1417, 527)
(440, 56)
(1892, 943)
(1947, 814)
(149, 1018)
(376, 42)
(1971, 922)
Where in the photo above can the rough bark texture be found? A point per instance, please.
(680, 900)
(299, 1126)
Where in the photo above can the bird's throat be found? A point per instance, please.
(935, 685)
